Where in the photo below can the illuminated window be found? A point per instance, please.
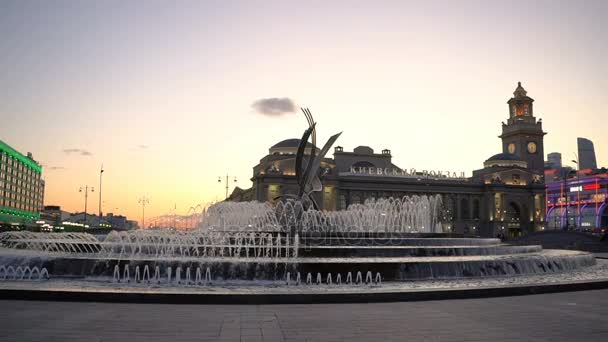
(498, 205)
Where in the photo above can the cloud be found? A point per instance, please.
(48, 167)
(77, 151)
(139, 147)
(274, 106)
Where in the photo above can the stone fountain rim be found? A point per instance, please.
(267, 297)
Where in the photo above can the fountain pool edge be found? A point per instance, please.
(581, 280)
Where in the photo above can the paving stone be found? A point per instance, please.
(581, 316)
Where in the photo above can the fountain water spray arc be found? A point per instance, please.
(291, 242)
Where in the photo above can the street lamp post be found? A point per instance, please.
(219, 180)
(565, 179)
(143, 201)
(86, 190)
(578, 184)
(566, 175)
(100, 174)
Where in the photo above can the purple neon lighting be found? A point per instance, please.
(549, 214)
(580, 214)
(598, 215)
(558, 184)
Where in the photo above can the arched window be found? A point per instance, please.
(476, 210)
(342, 202)
(464, 209)
(450, 208)
(603, 216)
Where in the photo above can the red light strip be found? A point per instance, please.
(595, 186)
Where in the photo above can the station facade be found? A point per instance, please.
(506, 195)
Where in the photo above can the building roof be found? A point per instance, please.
(289, 143)
(520, 95)
(503, 156)
(4, 147)
(504, 160)
(520, 91)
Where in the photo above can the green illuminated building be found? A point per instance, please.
(21, 187)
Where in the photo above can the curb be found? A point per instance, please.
(296, 298)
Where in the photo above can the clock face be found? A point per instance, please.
(511, 148)
(532, 147)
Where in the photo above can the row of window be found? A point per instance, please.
(572, 197)
(449, 204)
(30, 191)
(20, 186)
(11, 183)
(13, 204)
(12, 164)
(468, 210)
(21, 198)
(8, 172)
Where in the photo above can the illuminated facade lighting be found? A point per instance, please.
(21, 187)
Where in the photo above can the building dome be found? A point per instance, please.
(287, 143)
(503, 156)
(505, 160)
(289, 146)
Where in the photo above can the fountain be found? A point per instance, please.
(290, 243)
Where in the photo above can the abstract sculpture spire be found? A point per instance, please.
(307, 167)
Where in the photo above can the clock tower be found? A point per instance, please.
(522, 135)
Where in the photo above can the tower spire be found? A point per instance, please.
(523, 135)
(520, 91)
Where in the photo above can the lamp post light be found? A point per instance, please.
(578, 184)
(219, 180)
(100, 174)
(565, 175)
(86, 189)
(143, 201)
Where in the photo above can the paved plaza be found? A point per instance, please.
(571, 316)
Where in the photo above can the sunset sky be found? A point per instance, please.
(161, 92)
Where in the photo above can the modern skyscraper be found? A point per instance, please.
(586, 154)
(554, 160)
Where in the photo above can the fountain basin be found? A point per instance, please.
(391, 268)
(413, 251)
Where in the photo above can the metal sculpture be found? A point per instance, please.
(307, 166)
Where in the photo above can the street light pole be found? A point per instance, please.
(565, 175)
(219, 180)
(143, 201)
(100, 174)
(578, 182)
(86, 190)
